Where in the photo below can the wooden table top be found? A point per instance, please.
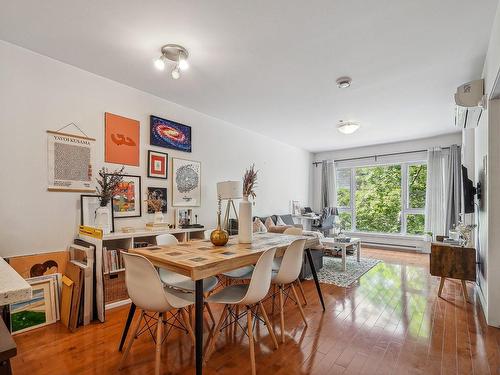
(200, 259)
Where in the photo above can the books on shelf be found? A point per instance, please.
(113, 260)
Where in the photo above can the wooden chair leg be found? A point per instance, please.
(159, 339)
(441, 284)
(464, 288)
(282, 313)
(131, 340)
(250, 339)
(299, 304)
(211, 343)
(187, 322)
(268, 325)
(302, 291)
(209, 310)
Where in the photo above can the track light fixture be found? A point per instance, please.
(176, 54)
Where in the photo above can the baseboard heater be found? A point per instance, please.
(391, 245)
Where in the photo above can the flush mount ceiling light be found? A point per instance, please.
(347, 127)
(175, 53)
(343, 82)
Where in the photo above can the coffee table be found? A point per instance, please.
(332, 243)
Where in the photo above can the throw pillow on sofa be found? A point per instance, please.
(258, 226)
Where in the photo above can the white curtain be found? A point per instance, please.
(328, 184)
(454, 187)
(435, 202)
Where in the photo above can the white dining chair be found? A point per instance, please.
(294, 232)
(148, 293)
(249, 297)
(285, 277)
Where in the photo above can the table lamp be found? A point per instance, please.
(228, 191)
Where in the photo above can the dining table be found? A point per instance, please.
(199, 259)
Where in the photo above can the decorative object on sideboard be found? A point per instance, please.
(69, 161)
(157, 164)
(89, 206)
(106, 186)
(219, 236)
(122, 140)
(183, 217)
(169, 134)
(229, 191)
(186, 183)
(245, 224)
(465, 232)
(157, 203)
(127, 197)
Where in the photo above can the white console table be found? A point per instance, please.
(306, 221)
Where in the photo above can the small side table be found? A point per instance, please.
(332, 243)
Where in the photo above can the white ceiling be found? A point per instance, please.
(270, 66)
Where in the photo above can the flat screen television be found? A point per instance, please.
(469, 191)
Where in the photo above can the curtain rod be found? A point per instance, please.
(375, 156)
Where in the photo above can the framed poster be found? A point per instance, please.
(127, 197)
(186, 183)
(157, 164)
(88, 207)
(158, 193)
(170, 134)
(121, 140)
(69, 164)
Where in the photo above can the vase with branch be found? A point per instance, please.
(107, 183)
(156, 204)
(245, 230)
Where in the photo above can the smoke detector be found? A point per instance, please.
(343, 82)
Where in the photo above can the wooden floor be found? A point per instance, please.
(390, 322)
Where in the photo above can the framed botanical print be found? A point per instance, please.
(186, 183)
(158, 193)
(88, 207)
(121, 140)
(157, 164)
(127, 197)
(170, 134)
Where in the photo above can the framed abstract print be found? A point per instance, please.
(170, 134)
(186, 183)
(127, 197)
(121, 141)
(158, 193)
(88, 207)
(157, 164)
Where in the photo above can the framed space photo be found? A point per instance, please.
(127, 197)
(88, 207)
(157, 164)
(186, 183)
(170, 134)
(122, 140)
(158, 193)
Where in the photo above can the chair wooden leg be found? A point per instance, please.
(250, 339)
(464, 288)
(302, 291)
(211, 343)
(282, 313)
(299, 304)
(268, 325)
(273, 299)
(159, 339)
(441, 284)
(131, 340)
(187, 322)
(209, 310)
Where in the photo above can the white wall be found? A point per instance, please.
(38, 93)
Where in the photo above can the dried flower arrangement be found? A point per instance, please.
(107, 183)
(154, 202)
(250, 182)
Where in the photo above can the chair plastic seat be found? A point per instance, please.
(178, 281)
(178, 299)
(277, 263)
(229, 295)
(239, 273)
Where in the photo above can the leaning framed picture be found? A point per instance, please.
(157, 164)
(186, 183)
(158, 193)
(170, 134)
(88, 207)
(127, 197)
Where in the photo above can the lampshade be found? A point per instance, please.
(230, 189)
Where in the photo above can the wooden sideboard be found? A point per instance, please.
(454, 262)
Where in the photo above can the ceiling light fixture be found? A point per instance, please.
(347, 127)
(343, 82)
(175, 53)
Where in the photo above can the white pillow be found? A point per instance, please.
(280, 221)
(269, 223)
(258, 226)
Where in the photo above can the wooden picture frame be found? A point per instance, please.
(87, 204)
(157, 164)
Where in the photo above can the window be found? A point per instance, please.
(382, 198)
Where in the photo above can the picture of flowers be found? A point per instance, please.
(127, 197)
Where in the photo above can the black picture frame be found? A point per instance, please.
(138, 197)
(155, 138)
(82, 197)
(149, 164)
(164, 194)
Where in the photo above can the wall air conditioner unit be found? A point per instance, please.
(470, 101)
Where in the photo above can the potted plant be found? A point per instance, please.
(245, 230)
(106, 186)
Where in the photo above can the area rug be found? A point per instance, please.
(332, 272)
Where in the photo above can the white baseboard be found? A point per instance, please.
(112, 305)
